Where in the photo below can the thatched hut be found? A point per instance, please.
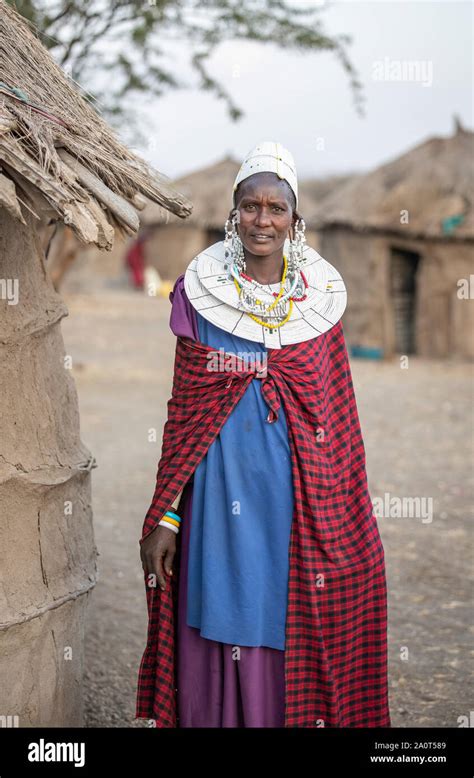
(402, 236)
(58, 161)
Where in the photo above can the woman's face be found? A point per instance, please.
(265, 213)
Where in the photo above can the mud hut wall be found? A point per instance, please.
(91, 268)
(171, 248)
(444, 321)
(47, 549)
(445, 324)
(361, 260)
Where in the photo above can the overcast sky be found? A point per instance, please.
(305, 101)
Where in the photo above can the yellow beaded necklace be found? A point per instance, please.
(272, 306)
(273, 326)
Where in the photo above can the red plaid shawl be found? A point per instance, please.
(336, 627)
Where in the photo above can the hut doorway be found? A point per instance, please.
(403, 290)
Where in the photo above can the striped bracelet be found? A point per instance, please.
(171, 521)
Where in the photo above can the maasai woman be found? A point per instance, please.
(261, 520)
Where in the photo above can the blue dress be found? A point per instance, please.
(241, 519)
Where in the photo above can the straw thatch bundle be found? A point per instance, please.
(431, 183)
(210, 190)
(57, 154)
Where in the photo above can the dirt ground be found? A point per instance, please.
(418, 432)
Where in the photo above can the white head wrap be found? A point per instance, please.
(269, 157)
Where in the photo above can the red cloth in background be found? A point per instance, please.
(135, 261)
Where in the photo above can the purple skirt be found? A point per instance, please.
(220, 685)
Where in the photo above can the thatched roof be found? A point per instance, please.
(210, 189)
(313, 190)
(432, 183)
(56, 152)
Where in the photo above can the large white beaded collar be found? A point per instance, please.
(211, 291)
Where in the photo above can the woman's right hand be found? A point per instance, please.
(157, 554)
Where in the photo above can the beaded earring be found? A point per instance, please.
(233, 248)
(297, 245)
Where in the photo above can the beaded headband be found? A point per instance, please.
(268, 157)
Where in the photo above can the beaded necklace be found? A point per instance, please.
(278, 295)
